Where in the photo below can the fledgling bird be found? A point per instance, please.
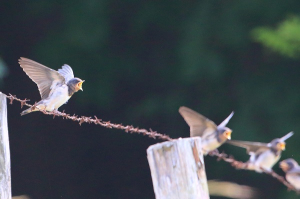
(263, 155)
(56, 87)
(292, 172)
(212, 135)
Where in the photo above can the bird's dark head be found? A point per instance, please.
(75, 85)
(288, 164)
(277, 145)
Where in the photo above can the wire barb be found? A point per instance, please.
(152, 134)
(241, 165)
(85, 119)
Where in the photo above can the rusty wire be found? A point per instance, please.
(242, 165)
(95, 120)
(152, 134)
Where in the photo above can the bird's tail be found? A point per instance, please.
(29, 110)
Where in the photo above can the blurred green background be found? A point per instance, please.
(142, 60)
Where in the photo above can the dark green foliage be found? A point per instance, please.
(285, 39)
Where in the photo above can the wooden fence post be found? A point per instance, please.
(177, 169)
(5, 177)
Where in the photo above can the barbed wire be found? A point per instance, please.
(95, 120)
(152, 134)
(242, 165)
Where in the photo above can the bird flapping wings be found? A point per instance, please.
(45, 78)
(252, 147)
(197, 122)
(67, 72)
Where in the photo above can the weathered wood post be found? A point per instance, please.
(5, 177)
(177, 169)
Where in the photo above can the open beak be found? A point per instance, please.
(80, 84)
(227, 134)
(282, 146)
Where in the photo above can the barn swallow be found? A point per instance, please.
(263, 155)
(212, 135)
(56, 87)
(292, 172)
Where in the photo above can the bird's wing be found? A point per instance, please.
(197, 122)
(250, 146)
(43, 76)
(66, 72)
(295, 171)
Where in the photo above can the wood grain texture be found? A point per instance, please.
(177, 169)
(5, 174)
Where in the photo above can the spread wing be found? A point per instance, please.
(43, 76)
(66, 72)
(197, 122)
(250, 146)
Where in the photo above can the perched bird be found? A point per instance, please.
(56, 87)
(292, 172)
(263, 155)
(212, 135)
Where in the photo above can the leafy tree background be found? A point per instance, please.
(142, 60)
